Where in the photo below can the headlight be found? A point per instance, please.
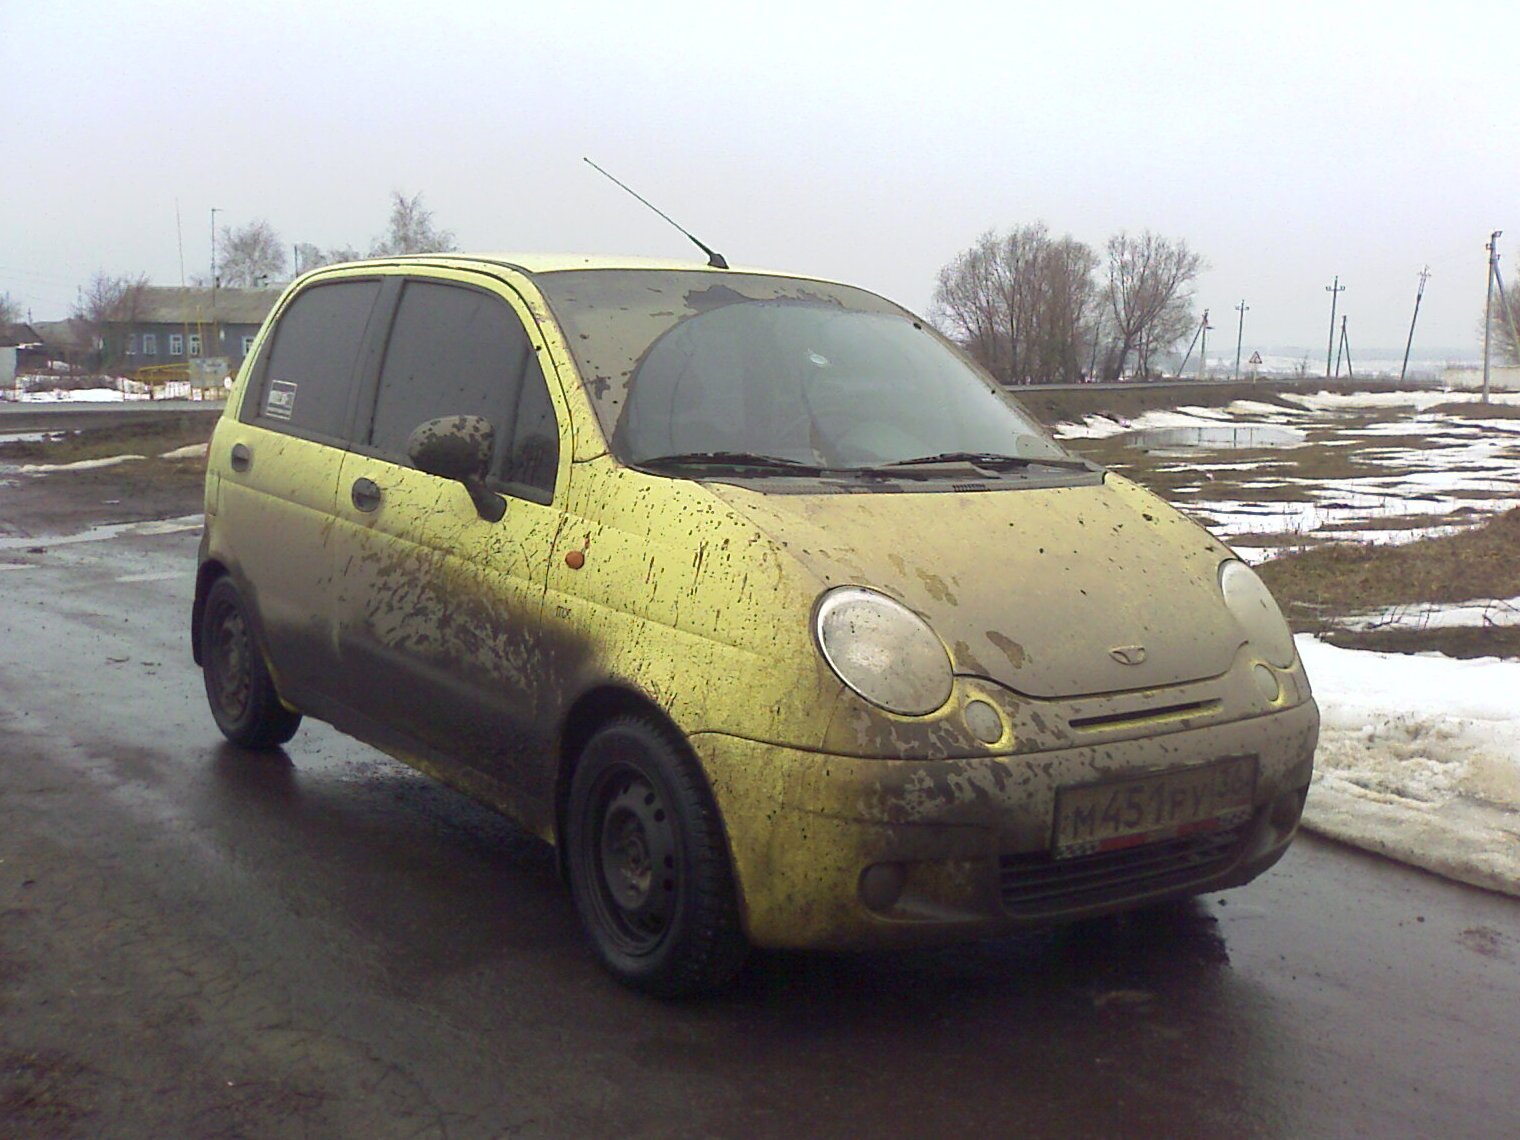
(882, 650)
(1252, 604)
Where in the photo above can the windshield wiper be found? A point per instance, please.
(990, 461)
(730, 459)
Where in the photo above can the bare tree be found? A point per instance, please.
(308, 256)
(1148, 296)
(1503, 330)
(411, 229)
(1065, 311)
(1020, 303)
(251, 257)
(107, 306)
(10, 310)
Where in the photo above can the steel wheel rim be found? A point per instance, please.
(633, 851)
(229, 659)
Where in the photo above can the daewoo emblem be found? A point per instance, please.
(1128, 654)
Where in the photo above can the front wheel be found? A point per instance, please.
(238, 686)
(648, 864)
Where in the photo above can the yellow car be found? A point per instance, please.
(749, 592)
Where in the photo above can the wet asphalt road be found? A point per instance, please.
(196, 941)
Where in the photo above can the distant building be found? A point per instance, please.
(20, 349)
(66, 345)
(176, 326)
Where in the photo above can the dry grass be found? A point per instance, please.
(159, 435)
(1473, 410)
(1480, 562)
(1461, 641)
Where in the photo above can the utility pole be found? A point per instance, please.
(1188, 355)
(1240, 333)
(1345, 347)
(1334, 291)
(1488, 304)
(1424, 276)
(214, 212)
(1203, 348)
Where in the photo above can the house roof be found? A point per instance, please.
(18, 334)
(67, 334)
(169, 305)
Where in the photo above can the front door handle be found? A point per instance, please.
(242, 458)
(365, 495)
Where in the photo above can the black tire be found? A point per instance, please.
(238, 686)
(648, 865)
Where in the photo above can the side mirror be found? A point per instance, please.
(459, 448)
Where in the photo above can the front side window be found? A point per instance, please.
(176, 344)
(195, 344)
(309, 372)
(150, 344)
(681, 363)
(455, 350)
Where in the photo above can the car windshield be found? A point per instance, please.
(773, 373)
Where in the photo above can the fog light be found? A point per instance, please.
(983, 721)
(881, 885)
(1266, 684)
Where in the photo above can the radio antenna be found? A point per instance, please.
(714, 258)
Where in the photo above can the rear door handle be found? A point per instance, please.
(242, 458)
(365, 495)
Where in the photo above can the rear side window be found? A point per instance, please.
(454, 350)
(311, 364)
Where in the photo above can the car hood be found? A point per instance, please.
(1055, 592)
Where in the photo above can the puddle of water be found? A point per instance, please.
(1217, 436)
(105, 532)
(32, 436)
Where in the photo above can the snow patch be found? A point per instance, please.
(78, 465)
(193, 451)
(1454, 615)
(1419, 759)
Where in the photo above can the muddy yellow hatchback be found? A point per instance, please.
(750, 593)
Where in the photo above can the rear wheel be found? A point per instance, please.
(648, 865)
(238, 686)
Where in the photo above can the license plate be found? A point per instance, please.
(1126, 813)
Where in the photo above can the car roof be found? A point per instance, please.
(533, 263)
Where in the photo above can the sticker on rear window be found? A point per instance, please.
(281, 401)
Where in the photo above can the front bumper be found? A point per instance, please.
(834, 852)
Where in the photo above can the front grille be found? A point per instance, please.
(1036, 885)
(1145, 716)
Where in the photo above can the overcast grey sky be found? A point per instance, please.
(1285, 142)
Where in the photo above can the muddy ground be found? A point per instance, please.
(69, 498)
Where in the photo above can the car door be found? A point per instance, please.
(277, 474)
(437, 608)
